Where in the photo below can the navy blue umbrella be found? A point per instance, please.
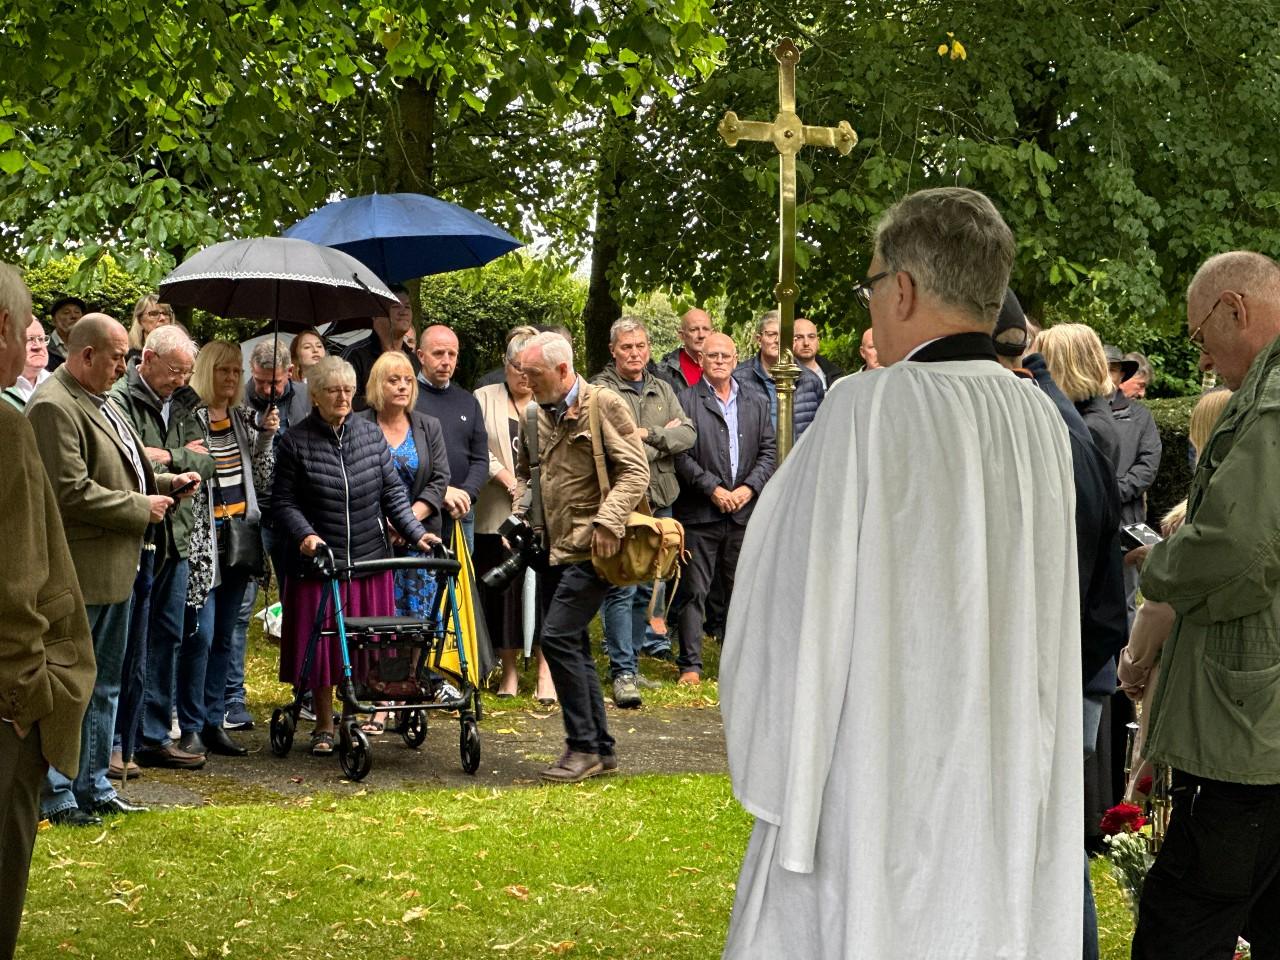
(400, 236)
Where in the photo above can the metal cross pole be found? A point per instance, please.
(788, 135)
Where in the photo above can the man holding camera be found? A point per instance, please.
(576, 523)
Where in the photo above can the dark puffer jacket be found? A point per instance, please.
(808, 396)
(339, 484)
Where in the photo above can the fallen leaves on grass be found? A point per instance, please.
(517, 890)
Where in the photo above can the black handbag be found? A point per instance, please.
(239, 541)
(240, 546)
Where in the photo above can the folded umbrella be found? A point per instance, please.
(405, 235)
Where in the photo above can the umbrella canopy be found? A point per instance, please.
(296, 283)
(400, 236)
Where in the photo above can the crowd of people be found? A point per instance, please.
(150, 487)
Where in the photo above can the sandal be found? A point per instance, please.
(321, 744)
(375, 727)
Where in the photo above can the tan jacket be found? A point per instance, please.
(47, 668)
(494, 504)
(570, 491)
(104, 515)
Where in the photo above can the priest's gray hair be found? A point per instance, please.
(271, 354)
(766, 318)
(15, 299)
(329, 370)
(627, 323)
(954, 244)
(168, 339)
(555, 349)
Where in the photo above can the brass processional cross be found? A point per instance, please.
(788, 135)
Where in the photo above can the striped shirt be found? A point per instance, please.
(229, 493)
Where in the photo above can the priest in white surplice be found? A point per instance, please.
(901, 673)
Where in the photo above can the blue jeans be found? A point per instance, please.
(624, 621)
(202, 665)
(109, 624)
(240, 643)
(133, 674)
(168, 630)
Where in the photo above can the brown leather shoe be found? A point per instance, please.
(117, 770)
(690, 678)
(169, 756)
(573, 767)
(608, 763)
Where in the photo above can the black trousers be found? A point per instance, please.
(712, 546)
(22, 770)
(570, 595)
(1217, 875)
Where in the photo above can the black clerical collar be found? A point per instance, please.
(958, 346)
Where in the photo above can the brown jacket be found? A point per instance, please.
(104, 514)
(46, 652)
(571, 502)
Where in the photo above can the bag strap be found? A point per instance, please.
(535, 464)
(597, 454)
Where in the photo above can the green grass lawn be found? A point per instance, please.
(621, 867)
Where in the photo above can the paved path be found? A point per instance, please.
(515, 745)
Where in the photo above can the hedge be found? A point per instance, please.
(1173, 417)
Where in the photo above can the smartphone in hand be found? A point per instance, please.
(1134, 535)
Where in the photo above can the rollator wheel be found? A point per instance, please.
(469, 745)
(282, 726)
(414, 728)
(354, 753)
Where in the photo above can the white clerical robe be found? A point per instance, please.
(901, 679)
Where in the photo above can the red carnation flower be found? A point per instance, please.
(1144, 785)
(1122, 818)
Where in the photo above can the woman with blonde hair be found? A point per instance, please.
(148, 313)
(1078, 365)
(1139, 668)
(220, 575)
(422, 463)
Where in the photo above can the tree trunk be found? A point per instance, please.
(411, 150)
(602, 306)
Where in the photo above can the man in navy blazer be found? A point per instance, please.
(720, 478)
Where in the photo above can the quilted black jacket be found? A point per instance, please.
(339, 483)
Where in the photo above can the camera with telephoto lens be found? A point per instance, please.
(524, 548)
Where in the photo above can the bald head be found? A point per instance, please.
(438, 352)
(92, 330)
(804, 341)
(867, 350)
(719, 357)
(1233, 311)
(694, 327)
(96, 349)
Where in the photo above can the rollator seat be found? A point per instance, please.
(384, 624)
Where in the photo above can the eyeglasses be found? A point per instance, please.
(39, 341)
(1197, 335)
(862, 289)
(717, 357)
(177, 371)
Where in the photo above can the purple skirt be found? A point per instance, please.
(373, 596)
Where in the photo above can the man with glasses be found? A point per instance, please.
(1214, 717)
(900, 681)
(721, 476)
(34, 370)
(756, 374)
(161, 408)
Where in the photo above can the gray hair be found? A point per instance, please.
(272, 354)
(1144, 366)
(328, 370)
(555, 349)
(15, 298)
(954, 244)
(518, 341)
(766, 318)
(168, 339)
(522, 332)
(1243, 270)
(626, 324)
